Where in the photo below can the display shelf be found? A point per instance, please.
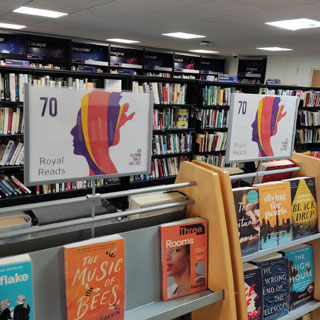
(172, 105)
(161, 79)
(203, 130)
(227, 84)
(177, 130)
(216, 106)
(4, 103)
(210, 153)
(307, 127)
(152, 182)
(299, 312)
(290, 244)
(162, 310)
(11, 167)
(310, 108)
(170, 155)
(16, 135)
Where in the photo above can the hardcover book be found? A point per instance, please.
(275, 214)
(304, 216)
(301, 274)
(182, 118)
(253, 289)
(16, 295)
(246, 201)
(94, 277)
(184, 257)
(275, 278)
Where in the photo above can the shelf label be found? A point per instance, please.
(261, 127)
(76, 134)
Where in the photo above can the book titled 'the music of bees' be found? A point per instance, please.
(184, 257)
(94, 277)
(16, 295)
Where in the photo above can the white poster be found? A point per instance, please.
(261, 127)
(76, 134)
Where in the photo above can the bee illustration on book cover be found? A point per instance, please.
(95, 281)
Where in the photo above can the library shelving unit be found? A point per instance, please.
(308, 167)
(142, 247)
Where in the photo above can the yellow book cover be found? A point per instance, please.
(275, 214)
(304, 207)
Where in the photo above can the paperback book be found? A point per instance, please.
(253, 289)
(304, 218)
(16, 294)
(301, 274)
(184, 257)
(94, 278)
(275, 214)
(275, 277)
(246, 202)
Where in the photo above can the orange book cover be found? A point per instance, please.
(184, 257)
(275, 214)
(94, 279)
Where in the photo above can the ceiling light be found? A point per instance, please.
(183, 35)
(40, 12)
(203, 51)
(274, 49)
(295, 24)
(123, 40)
(11, 26)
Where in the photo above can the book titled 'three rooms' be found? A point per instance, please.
(184, 257)
(94, 276)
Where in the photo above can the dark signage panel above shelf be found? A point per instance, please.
(12, 44)
(158, 61)
(126, 58)
(212, 65)
(42, 48)
(186, 64)
(253, 68)
(89, 54)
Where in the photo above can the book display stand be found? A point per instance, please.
(143, 264)
(307, 166)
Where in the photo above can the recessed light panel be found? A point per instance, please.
(295, 24)
(274, 49)
(183, 35)
(40, 12)
(11, 26)
(123, 40)
(203, 51)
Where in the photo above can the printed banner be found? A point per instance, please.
(261, 127)
(75, 134)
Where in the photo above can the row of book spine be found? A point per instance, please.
(73, 185)
(309, 118)
(171, 143)
(216, 160)
(12, 186)
(209, 142)
(12, 153)
(170, 118)
(11, 120)
(165, 167)
(163, 93)
(211, 118)
(216, 95)
(308, 136)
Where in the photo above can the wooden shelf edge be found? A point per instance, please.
(160, 310)
(290, 244)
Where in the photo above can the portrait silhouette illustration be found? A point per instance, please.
(98, 128)
(265, 125)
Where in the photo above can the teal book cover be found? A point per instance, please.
(16, 297)
(301, 275)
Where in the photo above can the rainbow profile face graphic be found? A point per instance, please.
(265, 125)
(98, 128)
